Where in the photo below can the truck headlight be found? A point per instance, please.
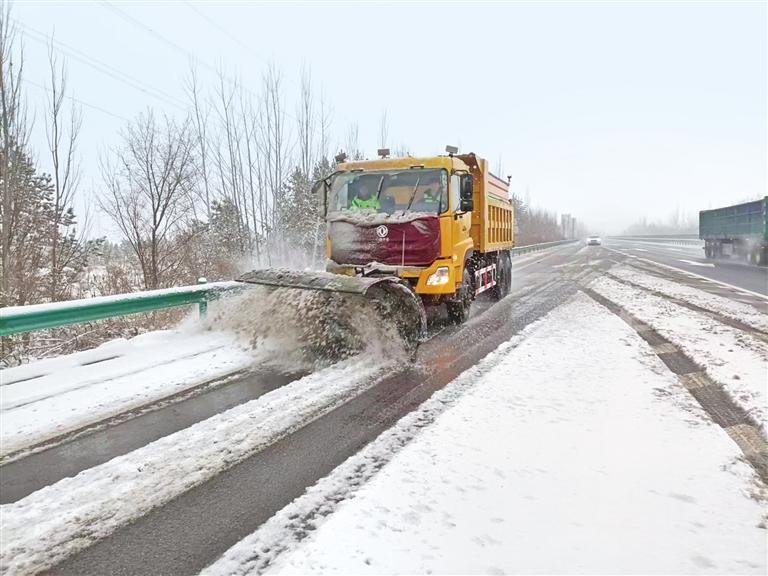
(439, 277)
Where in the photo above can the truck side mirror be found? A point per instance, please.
(465, 193)
(320, 191)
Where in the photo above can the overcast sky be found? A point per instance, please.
(609, 111)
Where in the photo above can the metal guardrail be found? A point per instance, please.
(20, 319)
(535, 247)
(680, 240)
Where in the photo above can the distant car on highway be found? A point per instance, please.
(594, 241)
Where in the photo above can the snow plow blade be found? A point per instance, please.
(392, 298)
(326, 281)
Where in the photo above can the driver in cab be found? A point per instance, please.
(365, 198)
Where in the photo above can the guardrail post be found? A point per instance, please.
(202, 306)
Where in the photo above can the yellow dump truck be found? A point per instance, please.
(441, 227)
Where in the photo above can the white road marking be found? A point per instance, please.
(694, 263)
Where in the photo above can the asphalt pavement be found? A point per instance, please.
(195, 528)
(691, 259)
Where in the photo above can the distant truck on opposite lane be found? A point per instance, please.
(739, 231)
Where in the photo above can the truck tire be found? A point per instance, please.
(458, 311)
(503, 276)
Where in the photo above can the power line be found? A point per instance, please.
(138, 23)
(81, 102)
(102, 67)
(228, 34)
(220, 28)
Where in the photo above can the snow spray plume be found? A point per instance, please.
(306, 328)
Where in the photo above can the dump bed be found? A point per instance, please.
(493, 217)
(743, 221)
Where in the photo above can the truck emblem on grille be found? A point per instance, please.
(382, 231)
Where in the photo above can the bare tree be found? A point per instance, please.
(150, 185)
(273, 149)
(200, 115)
(306, 124)
(353, 142)
(324, 128)
(229, 162)
(499, 167)
(14, 137)
(402, 151)
(62, 133)
(383, 130)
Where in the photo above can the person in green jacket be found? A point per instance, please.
(365, 198)
(431, 197)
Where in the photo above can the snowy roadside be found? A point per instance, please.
(44, 399)
(734, 359)
(54, 522)
(725, 306)
(571, 449)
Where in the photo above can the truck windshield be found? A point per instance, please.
(411, 190)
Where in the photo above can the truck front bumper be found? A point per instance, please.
(438, 279)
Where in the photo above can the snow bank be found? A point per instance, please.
(71, 392)
(734, 359)
(575, 452)
(725, 306)
(54, 522)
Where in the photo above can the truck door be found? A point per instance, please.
(461, 223)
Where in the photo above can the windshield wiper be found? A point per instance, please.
(413, 194)
(378, 190)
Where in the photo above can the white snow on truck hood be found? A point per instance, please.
(371, 218)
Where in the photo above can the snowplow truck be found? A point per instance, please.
(412, 233)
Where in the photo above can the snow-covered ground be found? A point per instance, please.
(736, 360)
(572, 449)
(44, 399)
(725, 306)
(54, 522)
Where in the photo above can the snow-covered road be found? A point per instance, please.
(575, 446)
(735, 360)
(572, 449)
(75, 512)
(45, 399)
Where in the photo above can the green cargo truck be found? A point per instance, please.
(739, 231)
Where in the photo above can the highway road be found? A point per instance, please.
(691, 259)
(193, 529)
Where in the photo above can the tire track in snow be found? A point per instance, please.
(712, 397)
(723, 319)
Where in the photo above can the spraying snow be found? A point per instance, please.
(307, 328)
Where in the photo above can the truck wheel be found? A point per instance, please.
(503, 276)
(458, 311)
